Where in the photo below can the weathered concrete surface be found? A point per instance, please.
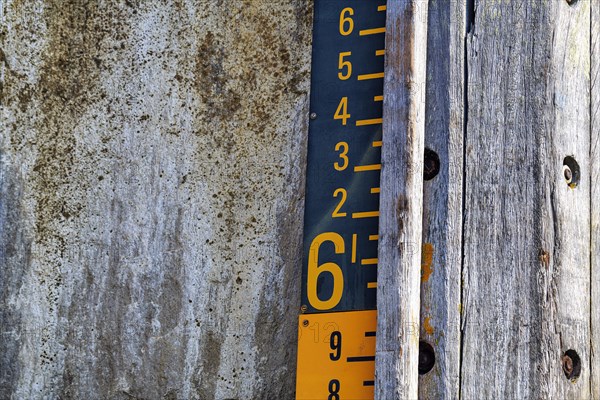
(151, 197)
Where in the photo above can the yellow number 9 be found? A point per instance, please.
(346, 22)
(314, 270)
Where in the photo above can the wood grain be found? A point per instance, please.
(442, 198)
(595, 196)
(526, 238)
(401, 202)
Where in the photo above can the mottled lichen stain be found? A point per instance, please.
(165, 179)
(426, 261)
(248, 81)
(427, 326)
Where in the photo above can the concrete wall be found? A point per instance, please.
(151, 197)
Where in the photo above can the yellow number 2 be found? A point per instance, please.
(336, 213)
(314, 270)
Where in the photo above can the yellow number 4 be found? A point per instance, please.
(342, 111)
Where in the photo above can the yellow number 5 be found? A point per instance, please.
(314, 270)
(346, 64)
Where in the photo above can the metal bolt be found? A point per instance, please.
(426, 357)
(568, 174)
(431, 165)
(305, 322)
(567, 365)
(571, 365)
(313, 115)
(571, 171)
(303, 309)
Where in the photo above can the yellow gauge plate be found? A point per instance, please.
(336, 355)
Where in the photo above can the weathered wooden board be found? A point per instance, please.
(595, 197)
(401, 197)
(442, 197)
(151, 183)
(527, 234)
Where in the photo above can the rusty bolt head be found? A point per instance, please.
(567, 363)
(571, 365)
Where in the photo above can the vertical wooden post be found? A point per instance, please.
(400, 220)
(526, 291)
(595, 196)
(442, 199)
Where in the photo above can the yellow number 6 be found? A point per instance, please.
(314, 270)
(344, 20)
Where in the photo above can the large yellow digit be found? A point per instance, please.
(314, 270)
(346, 22)
(336, 213)
(342, 111)
(343, 146)
(344, 64)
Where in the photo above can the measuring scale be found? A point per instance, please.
(336, 338)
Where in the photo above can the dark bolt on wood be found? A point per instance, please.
(426, 357)
(431, 164)
(571, 171)
(571, 364)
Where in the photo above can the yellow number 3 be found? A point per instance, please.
(343, 146)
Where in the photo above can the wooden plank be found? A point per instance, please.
(595, 197)
(526, 234)
(442, 198)
(401, 202)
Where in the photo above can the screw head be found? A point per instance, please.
(431, 165)
(571, 365)
(303, 308)
(571, 171)
(305, 323)
(313, 115)
(426, 357)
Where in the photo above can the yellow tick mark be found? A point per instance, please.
(365, 214)
(354, 237)
(365, 77)
(364, 122)
(373, 31)
(370, 167)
